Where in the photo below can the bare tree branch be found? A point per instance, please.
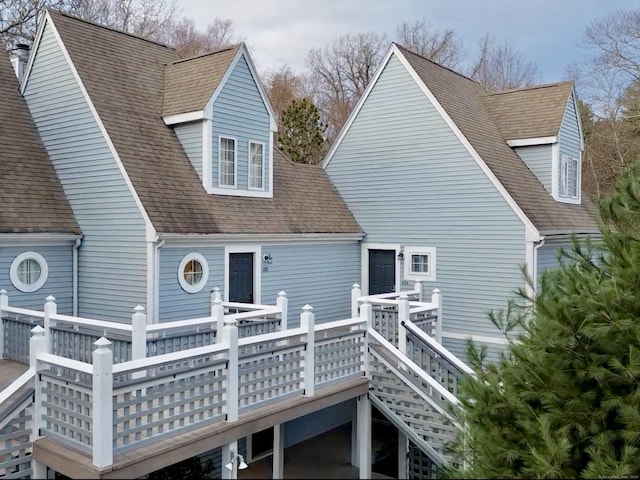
(441, 46)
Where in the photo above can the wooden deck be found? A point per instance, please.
(158, 455)
(9, 372)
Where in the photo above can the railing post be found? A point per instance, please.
(230, 338)
(37, 345)
(102, 404)
(50, 308)
(366, 313)
(138, 337)
(418, 286)
(4, 302)
(282, 302)
(307, 323)
(217, 316)
(215, 296)
(403, 316)
(356, 293)
(436, 299)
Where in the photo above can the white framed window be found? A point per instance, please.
(256, 166)
(569, 177)
(29, 271)
(193, 272)
(227, 162)
(420, 263)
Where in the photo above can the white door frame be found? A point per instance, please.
(364, 263)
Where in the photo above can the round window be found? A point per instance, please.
(29, 271)
(193, 273)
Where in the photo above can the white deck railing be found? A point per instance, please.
(73, 337)
(104, 409)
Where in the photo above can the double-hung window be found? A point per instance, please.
(256, 166)
(569, 177)
(227, 163)
(420, 263)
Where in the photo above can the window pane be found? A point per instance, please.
(192, 272)
(564, 177)
(574, 178)
(255, 165)
(227, 161)
(419, 263)
(29, 271)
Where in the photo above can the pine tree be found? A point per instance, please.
(301, 132)
(564, 402)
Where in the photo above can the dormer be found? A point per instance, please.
(219, 111)
(542, 125)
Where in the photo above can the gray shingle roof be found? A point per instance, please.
(129, 100)
(31, 199)
(189, 83)
(529, 112)
(464, 101)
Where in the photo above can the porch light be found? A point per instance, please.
(238, 460)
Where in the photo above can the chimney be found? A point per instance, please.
(19, 58)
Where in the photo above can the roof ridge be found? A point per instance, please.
(106, 27)
(215, 52)
(530, 87)
(402, 47)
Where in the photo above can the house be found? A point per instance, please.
(170, 169)
(459, 188)
(39, 234)
(162, 182)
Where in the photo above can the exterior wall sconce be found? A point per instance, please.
(267, 258)
(237, 461)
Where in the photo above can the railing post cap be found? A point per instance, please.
(139, 309)
(355, 285)
(37, 330)
(230, 321)
(102, 342)
(215, 289)
(282, 293)
(3, 292)
(435, 290)
(307, 308)
(50, 298)
(403, 296)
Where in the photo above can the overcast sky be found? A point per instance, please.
(282, 31)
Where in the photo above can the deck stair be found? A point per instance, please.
(111, 399)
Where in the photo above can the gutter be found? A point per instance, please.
(76, 246)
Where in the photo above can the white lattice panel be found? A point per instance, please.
(338, 358)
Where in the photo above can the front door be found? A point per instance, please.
(241, 277)
(382, 271)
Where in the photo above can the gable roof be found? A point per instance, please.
(189, 83)
(31, 199)
(530, 112)
(464, 101)
(129, 102)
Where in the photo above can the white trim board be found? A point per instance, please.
(36, 239)
(475, 338)
(364, 263)
(204, 240)
(527, 142)
(183, 117)
(257, 268)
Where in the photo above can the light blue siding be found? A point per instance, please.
(59, 281)
(190, 136)
(317, 423)
(318, 275)
(569, 140)
(538, 159)
(112, 258)
(409, 180)
(548, 254)
(175, 303)
(240, 113)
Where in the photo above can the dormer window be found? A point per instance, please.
(227, 169)
(256, 166)
(569, 177)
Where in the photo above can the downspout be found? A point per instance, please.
(536, 246)
(74, 275)
(156, 280)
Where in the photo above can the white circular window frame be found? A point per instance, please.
(44, 272)
(205, 273)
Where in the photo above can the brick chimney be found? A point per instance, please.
(19, 58)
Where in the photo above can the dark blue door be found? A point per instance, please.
(382, 271)
(241, 277)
